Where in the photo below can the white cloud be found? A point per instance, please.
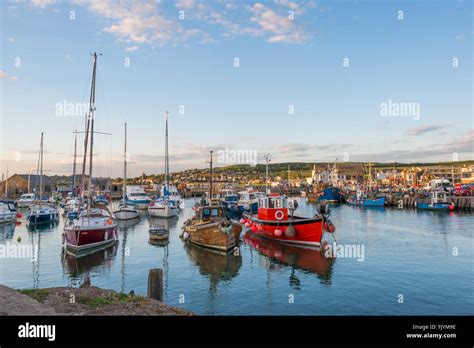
(131, 48)
(280, 27)
(185, 4)
(11, 39)
(43, 3)
(5, 75)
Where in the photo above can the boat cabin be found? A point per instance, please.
(209, 212)
(274, 208)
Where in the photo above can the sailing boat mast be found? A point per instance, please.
(166, 153)
(91, 120)
(124, 166)
(41, 170)
(210, 179)
(74, 166)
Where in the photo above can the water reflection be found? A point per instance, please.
(123, 225)
(306, 259)
(215, 265)
(78, 265)
(7, 231)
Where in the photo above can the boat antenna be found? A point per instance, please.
(210, 179)
(267, 160)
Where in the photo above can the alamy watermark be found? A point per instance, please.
(400, 109)
(16, 251)
(356, 251)
(66, 108)
(231, 156)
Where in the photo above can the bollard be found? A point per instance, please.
(155, 284)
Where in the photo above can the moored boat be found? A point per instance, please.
(364, 201)
(437, 202)
(137, 197)
(276, 220)
(210, 228)
(94, 227)
(42, 213)
(125, 211)
(331, 194)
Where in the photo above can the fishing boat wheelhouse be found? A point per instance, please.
(276, 220)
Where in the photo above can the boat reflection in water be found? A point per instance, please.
(78, 264)
(214, 264)
(124, 225)
(7, 231)
(307, 259)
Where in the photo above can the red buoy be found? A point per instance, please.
(451, 207)
(19, 215)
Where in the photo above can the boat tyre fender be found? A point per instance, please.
(279, 215)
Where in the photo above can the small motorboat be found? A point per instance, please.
(437, 202)
(364, 201)
(158, 234)
(162, 207)
(7, 211)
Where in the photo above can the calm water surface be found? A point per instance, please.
(405, 252)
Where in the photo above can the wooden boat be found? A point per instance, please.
(210, 228)
(275, 220)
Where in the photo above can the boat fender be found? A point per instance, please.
(106, 235)
(185, 235)
(63, 238)
(278, 232)
(290, 231)
(279, 215)
(247, 224)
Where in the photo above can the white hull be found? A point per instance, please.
(126, 214)
(164, 212)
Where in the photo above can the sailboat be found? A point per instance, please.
(72, 205)
(163, 206)
(42, 213)
(95, 226)
(125, 211)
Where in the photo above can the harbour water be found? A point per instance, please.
(413, 263)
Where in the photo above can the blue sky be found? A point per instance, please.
(423, 58)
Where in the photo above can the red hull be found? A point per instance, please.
(307, 231)
(83, 239)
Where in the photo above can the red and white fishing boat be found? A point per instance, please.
(276, 220)
(93, 227)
